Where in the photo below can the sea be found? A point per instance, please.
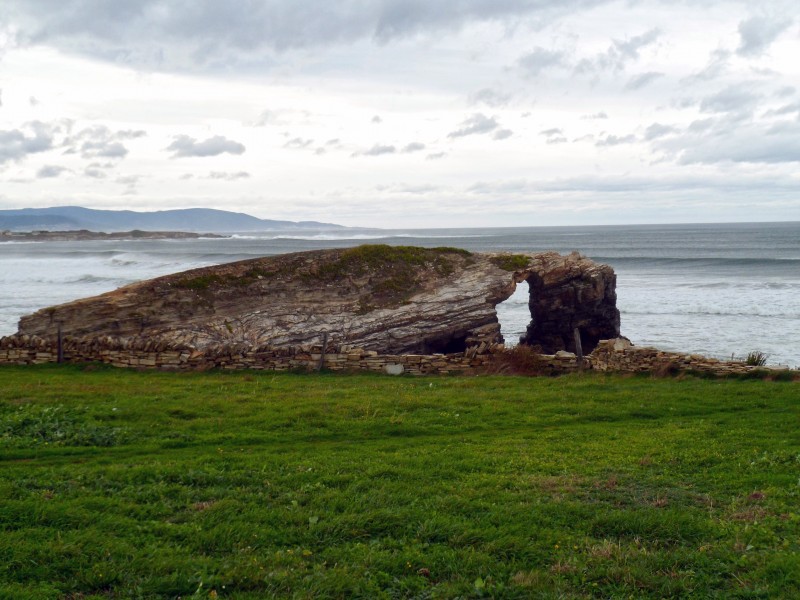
(720, 290)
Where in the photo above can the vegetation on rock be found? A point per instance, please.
(511, 262)
(394, 271)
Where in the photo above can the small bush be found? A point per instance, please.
(756, 359)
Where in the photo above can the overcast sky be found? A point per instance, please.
(400, 113)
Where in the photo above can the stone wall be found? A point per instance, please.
(617, 355)
(620, 356)
(26, 350)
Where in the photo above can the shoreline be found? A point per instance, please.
(86, 235)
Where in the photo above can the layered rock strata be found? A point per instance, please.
(387, 299)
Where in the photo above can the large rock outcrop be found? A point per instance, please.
(391, 299)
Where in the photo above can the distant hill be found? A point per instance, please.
(188, 219)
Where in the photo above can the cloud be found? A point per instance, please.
(540, 60)
(551, 132)
(613, 140)
(279, 117)
(619, 54)
(502, 134)
(184, 146)
(99, 141)
(298, 143)
(436, 156)
(596, 116)
(637, 82)
(475, 125)
(377, 119)
(489, 97)
(414, 147)
(778, 147)
(786, 109)
(734, 98)
(377, 150)
(717, 65)
(554, 135)
(657, 130)
(205, 33)
(50, 171)
(727, 138)
(758, 33)
(222, 175)
(94, 172)
(31, 138)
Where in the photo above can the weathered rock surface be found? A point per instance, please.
(393, 300)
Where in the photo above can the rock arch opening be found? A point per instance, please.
(514, 315)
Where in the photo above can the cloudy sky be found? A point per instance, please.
(400, 113)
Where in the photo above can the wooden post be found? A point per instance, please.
(60, 346)
(578, 347)
(321, 364)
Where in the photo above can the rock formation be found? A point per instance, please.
(390, 299)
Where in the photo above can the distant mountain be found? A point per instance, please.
(189, 219)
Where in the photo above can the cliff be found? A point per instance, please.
(389, 299)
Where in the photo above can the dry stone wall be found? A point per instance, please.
(620, 356)
(27, 350)
(617, 355)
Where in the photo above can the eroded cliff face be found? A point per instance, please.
(395, 300)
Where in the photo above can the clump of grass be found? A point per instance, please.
(511, 262)
(32, 425)
(199, 283)
(756, 358)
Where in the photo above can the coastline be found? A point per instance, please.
(79, 235)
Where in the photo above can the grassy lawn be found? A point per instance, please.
(123, 484)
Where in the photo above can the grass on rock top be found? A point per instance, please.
(395, 272)
(511, 262)
(124, 484)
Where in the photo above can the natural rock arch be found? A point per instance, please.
(391, 299)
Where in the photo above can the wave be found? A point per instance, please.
(711, 313)
(92, 279)
(694, 262)
(343, 237)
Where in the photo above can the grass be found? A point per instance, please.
(124, 484)
(511, 262)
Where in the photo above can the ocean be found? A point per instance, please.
(719, 290)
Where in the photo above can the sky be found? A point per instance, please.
(405, 113)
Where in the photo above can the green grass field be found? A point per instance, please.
(123, 484)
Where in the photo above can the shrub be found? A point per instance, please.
(756, 359)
